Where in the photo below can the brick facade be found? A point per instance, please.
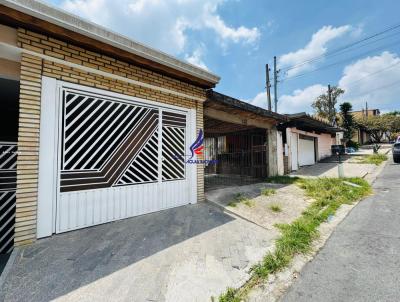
(33, 68)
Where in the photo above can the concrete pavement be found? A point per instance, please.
(361, 260)
(183, 254)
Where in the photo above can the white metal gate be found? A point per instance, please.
(118, 157)
(306, 150)
(8, 185)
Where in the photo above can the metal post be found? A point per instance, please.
(330, 111)
(275, 85)
(268, 87)
(340, 166)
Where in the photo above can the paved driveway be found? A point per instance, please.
(183, 254)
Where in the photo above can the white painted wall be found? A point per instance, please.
(325, 141)
(279, 150)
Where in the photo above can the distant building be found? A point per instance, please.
(360, 135)
(366, 113)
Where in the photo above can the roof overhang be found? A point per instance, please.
(41, 17)
(229, 104)
(303, 121)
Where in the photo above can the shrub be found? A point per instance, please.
(268, 192)
(353, 144)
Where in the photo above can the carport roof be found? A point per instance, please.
(307, 122)
(47, 19)
(214, 97)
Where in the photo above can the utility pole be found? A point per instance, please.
(275, 85)
(330, 103)
(268, 87)
(366, 109)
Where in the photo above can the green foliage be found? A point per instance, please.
(287, 180)
(379, 125)
(268, 192)
(249, 203)
(328, 194)
(375, 159)
(275, 208)
(393, 113)
(353, 144)
(229, 296)
(326, 109)
(240, 198)
(347, 120)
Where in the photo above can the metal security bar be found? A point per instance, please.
(173, 146)
(236, 159)
(8, 185)
(109, 142)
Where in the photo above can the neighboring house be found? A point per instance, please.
(241, 141)
(99, 121)
(361, 135)
(307, 140)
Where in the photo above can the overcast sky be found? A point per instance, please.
(234, 39)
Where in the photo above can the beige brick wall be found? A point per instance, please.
(32, 68)
(28, 148)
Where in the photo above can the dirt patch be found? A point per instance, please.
(283, 206)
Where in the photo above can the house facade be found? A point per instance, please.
(242, 141)
(100, 123)
(307, 140)
(97, 128)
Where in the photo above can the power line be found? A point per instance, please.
(343, 47)
(373, 73)
(340, 62)
(352, 49)
(375, 89)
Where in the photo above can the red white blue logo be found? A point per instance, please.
(197, 147)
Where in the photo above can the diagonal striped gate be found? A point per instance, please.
(8, 176)
(119, 157)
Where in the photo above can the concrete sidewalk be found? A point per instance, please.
(330, 169)
(361, 260)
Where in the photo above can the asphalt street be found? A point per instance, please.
(361, 260)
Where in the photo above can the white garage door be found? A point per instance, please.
(117, 157)
(306, 150)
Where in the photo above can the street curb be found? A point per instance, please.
(9, 265)
(278, 284)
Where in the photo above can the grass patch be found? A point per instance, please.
(296, 238)
(375, 159)
(282, 179)
(275, 208)
(268, 192)
(240, 198)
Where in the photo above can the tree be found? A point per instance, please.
(394, 113)
(378, 125)
(347, 120)
(326, 108)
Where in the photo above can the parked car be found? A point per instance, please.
(350, 150)
(396, 152)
